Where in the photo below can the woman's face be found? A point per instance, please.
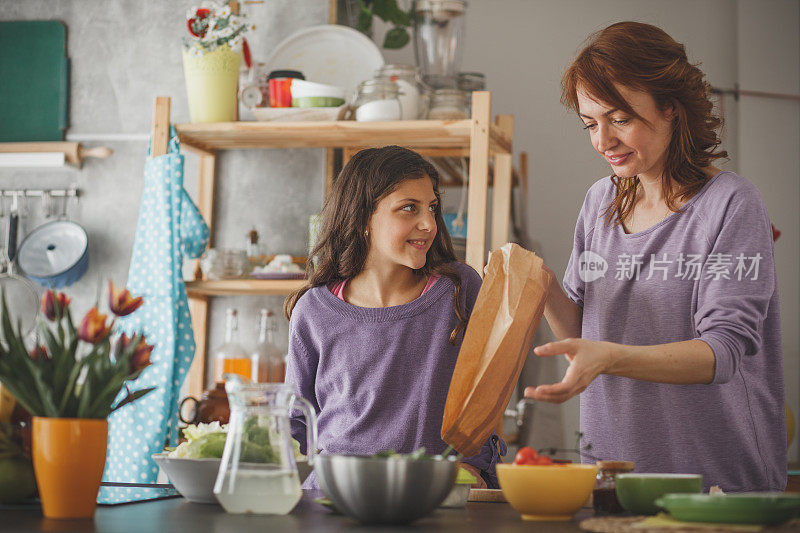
(631, 146)
(402, 228)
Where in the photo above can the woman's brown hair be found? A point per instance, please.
(342, 247)
(645, 58)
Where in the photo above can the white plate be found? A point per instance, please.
(295, 114)
(330, 54)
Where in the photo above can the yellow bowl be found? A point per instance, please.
(546, 492)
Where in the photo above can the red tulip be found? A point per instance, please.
(54, 304)
(121, 302)
(93, 328)
(39, 352)
(141, 356)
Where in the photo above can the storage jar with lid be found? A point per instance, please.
(604, 496)
(449, 104)
(378, 100)
(410, 94)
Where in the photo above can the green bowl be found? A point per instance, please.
(317, 101)
(744, 508)
(637, 493)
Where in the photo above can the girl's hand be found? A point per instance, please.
(587, 360)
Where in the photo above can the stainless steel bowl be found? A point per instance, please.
(385, 491)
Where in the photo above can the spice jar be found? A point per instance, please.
(378, 100)
(407, 80)
(605, 488)
(449, 104)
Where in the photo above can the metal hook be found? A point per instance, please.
(47, 204)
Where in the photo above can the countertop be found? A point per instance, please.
(179, 515)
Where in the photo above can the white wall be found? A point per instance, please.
(523, 46)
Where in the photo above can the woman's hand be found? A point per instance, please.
(481, 484)
(587, 360)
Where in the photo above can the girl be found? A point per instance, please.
(375, 333)
(676, 348)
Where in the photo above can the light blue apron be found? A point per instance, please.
(170, 228)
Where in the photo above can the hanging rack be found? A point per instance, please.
(72, 192)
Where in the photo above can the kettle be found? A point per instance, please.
(212, 407)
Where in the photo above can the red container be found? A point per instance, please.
(280, 92)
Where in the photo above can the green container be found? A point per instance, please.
(637, 493)
(744, 508)
(317, 101)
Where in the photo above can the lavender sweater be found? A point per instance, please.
(708, 273)
(378, 377)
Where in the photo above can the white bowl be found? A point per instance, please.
(195, 478)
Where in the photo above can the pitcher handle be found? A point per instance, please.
(311, 425)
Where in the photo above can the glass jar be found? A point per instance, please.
(378, 100)
(407, 79)
(605, 488)
(438, 39)
(449, 104)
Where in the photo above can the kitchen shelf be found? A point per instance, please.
(230, 287)
(443, 135)
(487, 144)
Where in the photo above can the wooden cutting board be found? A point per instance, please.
(34, 90)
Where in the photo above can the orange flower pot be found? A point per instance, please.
(69, 455)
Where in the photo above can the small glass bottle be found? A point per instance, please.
(378, 100)
(449, 104)
(605, 488)
(269, 363)
(231, 357)
(407, 79)
(252, 245)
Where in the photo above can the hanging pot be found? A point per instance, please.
(55, 254)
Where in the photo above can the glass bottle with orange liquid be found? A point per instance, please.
(232, 357)
(267, 357)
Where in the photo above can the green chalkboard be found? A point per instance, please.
(34, 81)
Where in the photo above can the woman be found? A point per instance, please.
(670, 317)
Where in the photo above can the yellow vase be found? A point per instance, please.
(211, 82)
(69, 455)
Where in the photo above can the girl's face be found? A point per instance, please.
(631, 147)
(402, 228)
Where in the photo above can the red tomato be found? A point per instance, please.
(526, 456)
(543, 460)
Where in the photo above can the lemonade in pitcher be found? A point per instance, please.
(258, 473)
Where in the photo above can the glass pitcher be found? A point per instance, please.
(258, 473)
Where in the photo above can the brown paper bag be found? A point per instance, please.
(496, 344)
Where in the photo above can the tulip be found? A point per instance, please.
(93, 328)
(121, 302)
(39, 352)
(141, 356)
(54, 303)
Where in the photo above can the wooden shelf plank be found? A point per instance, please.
(227, 287)
(439, 134)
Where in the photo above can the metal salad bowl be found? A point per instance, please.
(385, 490)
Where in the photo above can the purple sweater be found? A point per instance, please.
(378, 377)
(708, 273)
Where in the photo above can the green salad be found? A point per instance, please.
(207, 441)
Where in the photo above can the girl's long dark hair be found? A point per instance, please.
(645, 58)
(342, 247)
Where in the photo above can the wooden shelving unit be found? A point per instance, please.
(478, 138)
(227, 287)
